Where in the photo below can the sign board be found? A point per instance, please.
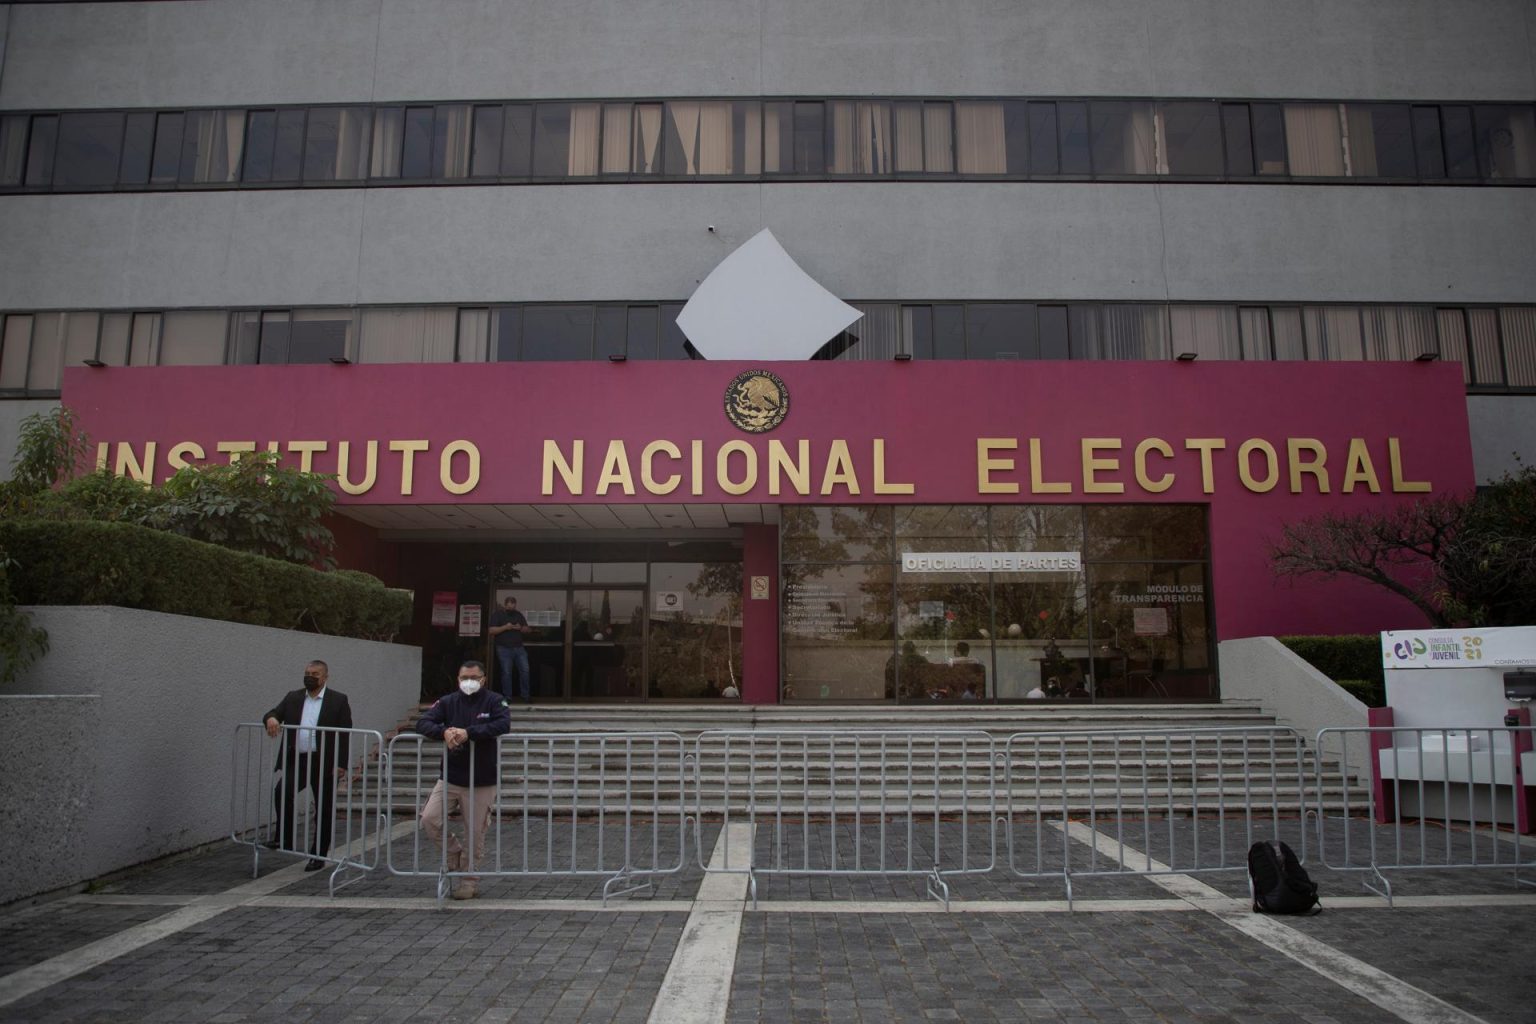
(544, 618)
(991, 561)
(1459, 648)
(669, 602)
(760, 588)
(444, 606)
(1150, 621)
(469, 620)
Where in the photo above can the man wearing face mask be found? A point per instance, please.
(307, 757)
(468, 722)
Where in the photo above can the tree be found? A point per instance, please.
(1489, 568)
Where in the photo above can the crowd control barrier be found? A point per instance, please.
(608, 805)
(851, 804)
(1151, 802)
(311, 792)
(1427, 798)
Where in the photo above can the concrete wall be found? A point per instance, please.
(12, 412)
(1503, 434)
(50, 793)
(323, 51)
(1263, 671)
(149, 727)
(976, 240)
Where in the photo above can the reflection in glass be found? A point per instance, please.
(1041, 636)
(836, 625)
(695, 641)
(947, 618)
(607, 641)
(1134, 532)
(1151, 631)
(818, 533)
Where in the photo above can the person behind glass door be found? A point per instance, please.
(508, 626)
(318, 760)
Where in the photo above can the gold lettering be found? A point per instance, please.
(275, 447)
(235, 449)
(1037, 481)
(723, 467)
(798, 470)
(1146, 483)
(307, 450)
(1294, 447)
(407, 450)
(128, 463)
(615, 470)
(1245, 471)
(1093, 465)
(986, 465)
(648, 469)
(1358, 468)
(103, 449)
(343, 465)
(1399, 485)
(177, 456)
(570, 472)
(881, 486)
(1205, 445)
(839, 469)
(696, 452)
(445, 467)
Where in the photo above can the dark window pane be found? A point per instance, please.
(1506, 141)
(552, 141)
(949, 332)
(1268, 138)
(674, 344)
(611, 324)
(388, 126)
(1380, 141)
(1122, 138)
(260, 137)
(1042, 139)
(507, 330)
(1193, 137)
(167, 158)
(210, 146)
(810, 139)
(320, 144)
(13, 148)
(642, 328)
(1053, 333)
(778, 138)
(450, 141)
(247, 338)
(746, 137)
(1016, 134)
(557, 333)
(288, 145)
(1428, 147)
(1073, 123)
(416, 154)
(90, 146)
(486, 160)
(1239, 139)
(1460, 149)
(516, 141)
(45, 135)
(1001, 330)
(138, 145)
(1084, 328)
(1134, 532)
(317, 337)
(274, 338)
(917, 328)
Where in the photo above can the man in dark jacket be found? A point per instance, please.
(306, 757)
(468, 722)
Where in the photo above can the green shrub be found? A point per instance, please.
(1370, 693)
(84, 562)
(1353, 661)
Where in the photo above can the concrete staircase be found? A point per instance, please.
(591, 759)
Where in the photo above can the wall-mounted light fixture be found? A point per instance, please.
(903, 357)
(94, 364)
(341, 361)
(617, 357)
(1426, 357)
(1187, 357)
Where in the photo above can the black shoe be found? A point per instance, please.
(315, 864)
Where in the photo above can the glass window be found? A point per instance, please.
(40, 150)
(416, 149)
(1451, 328)
(193, 338)
(1043, 156)
(943, 625)
(288, 145)
(557, 333)
(1460, 142)
(1055, 336)
(809, 139)
(1122, 138)
(1290, 337)
(1041, 634)
(567, 137)
(260, 138)
(210, 146)
(388, 132)
(674, 344)
(13, 148)
(835, 533)
(618, 122)
(80, 332)
(1314, 143)
(1399, 332)
(1134, 332)
(89, 150)
(940, 528)
(1381, 141)
(138, 148)
(1518, 326)
(450, 141)
(1037, 528)
(507, 334)
(112, 344)
(474, 335)
(694, 645)
(1072, 120)
(699, 139)
(1017, 132)
(861, 138)
(1487, 357)
(836, 628)
(949, 332)
(917, 331)
(778, 138)
(1209, 332)
(276, 330)
(46, 358)
(1144, 532)
(647, 135)
(337, 144)
(319, 335)
(1084, 323)
(1253, 323)
(167, 158)
(407, 335)
(980, 138)
(1269, 146)
(1238, 137)
(641, 331)
(1506, 141)
(1333, 332)
(15, 347)
(144, 341)
(1152, 627)
(609, 328)
(1191, 135)
(485, 159)
(517, 141)
(1001, 330)
(1429, 149)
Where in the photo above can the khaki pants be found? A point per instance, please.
(458, 798)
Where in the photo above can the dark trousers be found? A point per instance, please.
(508, 661)
(309, 770)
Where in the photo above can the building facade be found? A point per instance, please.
(1139, 284)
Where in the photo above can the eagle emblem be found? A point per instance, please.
(756, 401)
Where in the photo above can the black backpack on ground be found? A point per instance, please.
(1280, 883)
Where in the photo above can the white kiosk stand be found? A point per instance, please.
(1466, 693)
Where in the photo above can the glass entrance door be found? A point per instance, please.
(607, 643)
(546, 611)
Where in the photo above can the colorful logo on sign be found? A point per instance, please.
(756, 401)
(1439, 649)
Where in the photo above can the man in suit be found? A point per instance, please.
(308, 757)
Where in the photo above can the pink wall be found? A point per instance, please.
(760, 615)
(928, 414)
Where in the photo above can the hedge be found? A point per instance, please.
(1352, 661)
(105, 563)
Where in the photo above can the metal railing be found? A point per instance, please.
(1428, 798)
(311, 792)
(856, 803)
(608, 805)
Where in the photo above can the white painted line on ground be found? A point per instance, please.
(615, 906)
(1391, 993)
(697, 988)
(968, 907)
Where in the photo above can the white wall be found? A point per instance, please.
(153, 702)
(1264, 671)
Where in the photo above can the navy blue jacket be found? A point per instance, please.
(485, 716)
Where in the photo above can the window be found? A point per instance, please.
(1001, 330)
(517, 141)
(1506, 141)
(15, 348)
(567, 137)
(1428, 146)
(485, 151)
(861, 138)
(1044, 154)
(1381, 141)
(416, 142)
(408, 335)
(40, 150)
(1253, 325)
(1518, 327)
(1314, 143)
(89, 151)
(1133, 332)
(1460, 142)
(699, 139)
(1192, 143)
(1237, 134)
(809, 138)
(1072, 122)
(1269, 146)
(1054, 333)
(1209, 332)
(924, 138)
(193, 338)
(211, 143)
(13, 148)
(981, 145)
(1487, 357)
(557, 332)
(1122, 138)
(337, 144)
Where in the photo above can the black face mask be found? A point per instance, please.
(311, 683)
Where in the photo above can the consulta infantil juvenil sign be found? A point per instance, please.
(837, 468)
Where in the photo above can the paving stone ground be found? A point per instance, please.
(384, 950)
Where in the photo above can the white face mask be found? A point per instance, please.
(469, 687)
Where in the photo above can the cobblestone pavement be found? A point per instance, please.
(198, 939)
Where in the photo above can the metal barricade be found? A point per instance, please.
(850, 804)
(1151, 802)
(288, 796)
(608, 805)
(1421, 798)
